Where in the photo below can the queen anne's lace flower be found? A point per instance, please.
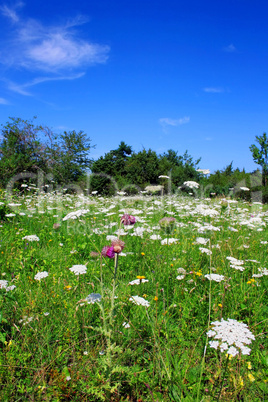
(140, 301)
(214, 277)
(41, 275)
(75, 214)
(230, 336)
(31, 238)
(78, 269)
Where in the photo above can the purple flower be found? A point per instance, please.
(107, 252)
(127, 219)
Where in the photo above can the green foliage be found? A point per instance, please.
(260, 155)
(27, 149)
(123, 169)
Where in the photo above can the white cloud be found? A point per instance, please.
(166, 122)
(54, 50)
(22, 88)
(11, 13)
(230, 48)
(213, 90)
(3, 101)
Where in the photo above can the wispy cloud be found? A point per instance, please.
(230, 48)
(11, 12)
(3, 101)
(213, 90)
(54, 50)
(166, 121)
(22, 88)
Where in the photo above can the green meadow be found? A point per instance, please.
(177, 312)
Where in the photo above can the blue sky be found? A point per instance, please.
(164, 74)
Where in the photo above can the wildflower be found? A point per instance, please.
(171, 240)
(56, 226)
(75, 214)
(138, 281)
(118, 245)
(127, 219)
(155, 298)
(249, 365)
(78, 269)
(12, 287)
(126, 325)
(140, 277)
(230, 334)
(251, 377)
(167, 224)
(94, 254)
(3, 284)
(31, 238)
(140, 301)
(143, 254)
(214, 277)
(93, 298)
(41, 275)
(191, 184)
(108, 252)
(68, 287)
(205, 250)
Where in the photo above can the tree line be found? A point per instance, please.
(65, 158)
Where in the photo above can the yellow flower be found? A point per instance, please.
(241, 381)
(198, 273)
(171, 265)
(140, 277)
(249, 366)
(155, 298)
(251, 378)
(220, 305)
(144, 295)
(142, 254)
(68, 287)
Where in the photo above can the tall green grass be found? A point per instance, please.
(57, 347)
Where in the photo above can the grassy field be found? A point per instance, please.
(153, 323)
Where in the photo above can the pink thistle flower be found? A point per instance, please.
(118, 245)
(107, 252)
(127, 219)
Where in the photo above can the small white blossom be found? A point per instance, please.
(78, 269)
(140, 301)
(214, 277)
(41, 275)
(138, 281)
(31, 238)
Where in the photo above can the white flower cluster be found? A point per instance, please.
(262, 272)
(41, 275)
(78, 269)
(229, 336)
(140, 301)
(75, 214)
(171, 240)
(205, 250)
(93, 298)
(214, 277)
(31, 238)
(236, 264)
(138, 281)
(191, 184)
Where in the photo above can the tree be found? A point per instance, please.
(26, 147)
(20, 148)
(260, 155)
(69, 157)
